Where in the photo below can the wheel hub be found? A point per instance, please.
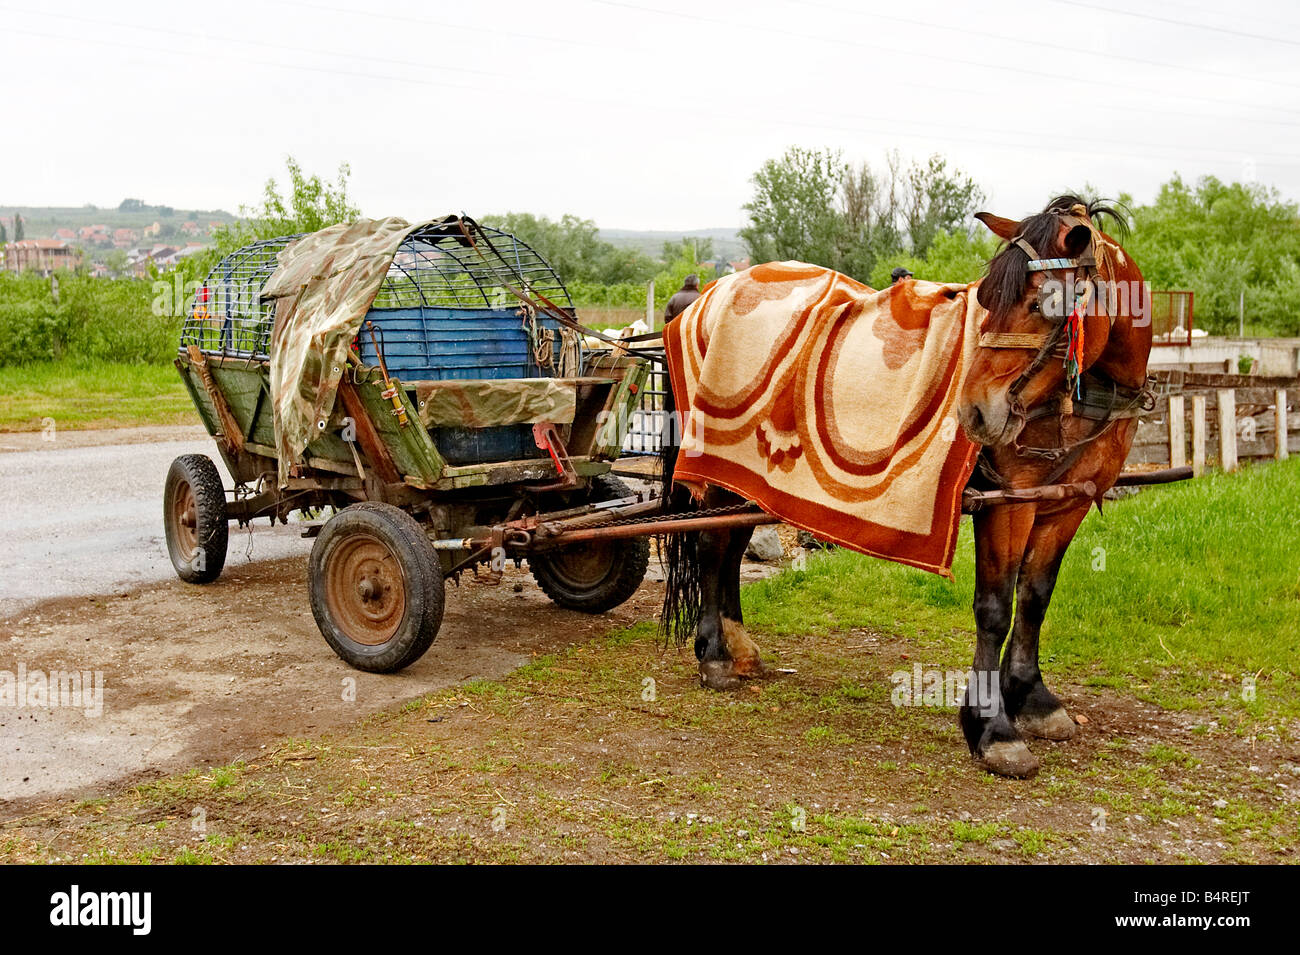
(582, 566)
(185, 518)
(365, 589)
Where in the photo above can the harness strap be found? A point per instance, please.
(1012, 340)
(1023, 244)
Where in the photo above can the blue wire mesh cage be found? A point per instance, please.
(444, 311)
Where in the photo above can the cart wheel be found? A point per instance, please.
(594, 576)
(376, 587)
(194, 519)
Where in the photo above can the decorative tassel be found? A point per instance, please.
(1074, 349)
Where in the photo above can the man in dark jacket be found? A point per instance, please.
(688, 293)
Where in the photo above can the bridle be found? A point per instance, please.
(1066, 333)
(1064, 341)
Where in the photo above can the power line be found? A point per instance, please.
(406, 18)
(1123, 58)
(188, 34)
(1179, 23)
(1056, 78)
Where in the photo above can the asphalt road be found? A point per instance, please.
(85, 520)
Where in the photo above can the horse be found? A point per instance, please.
(1051, 396)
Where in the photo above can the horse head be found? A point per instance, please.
(1062, 297)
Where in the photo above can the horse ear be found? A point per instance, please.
(1077, 241)
(1005, 229)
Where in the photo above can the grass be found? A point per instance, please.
(1184, 595)
(78, 396)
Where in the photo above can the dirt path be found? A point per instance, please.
(209, 675)
(11, 441)
(608, 750)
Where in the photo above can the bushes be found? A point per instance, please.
(110, 320)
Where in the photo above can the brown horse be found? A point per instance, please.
(1041, 421)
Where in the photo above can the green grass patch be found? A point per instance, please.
(76, 396)
(1182, 595)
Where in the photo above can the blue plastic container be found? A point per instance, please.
(437, 344)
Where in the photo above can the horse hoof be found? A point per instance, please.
(1009, 758)
(718, 675)
(1056, 725)
(745, 661)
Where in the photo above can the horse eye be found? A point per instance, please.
(1034, 307)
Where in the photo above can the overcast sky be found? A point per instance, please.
(647, 114)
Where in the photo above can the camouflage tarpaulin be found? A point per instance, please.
(322, 289)
(487, 403)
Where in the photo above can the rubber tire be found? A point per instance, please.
(629, 558)
(425, 592)
(212, 526)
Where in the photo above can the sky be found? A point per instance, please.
(646, 114)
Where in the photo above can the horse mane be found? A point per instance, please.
(1004, 282)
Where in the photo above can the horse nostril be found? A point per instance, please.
(975, 418)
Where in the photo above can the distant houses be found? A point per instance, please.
(69, 247)
(161, 257)
(95, 235)
(43, 256)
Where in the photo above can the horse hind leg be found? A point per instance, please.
(743, 651)
(725, 651)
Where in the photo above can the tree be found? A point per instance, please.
(311, 204)
(1221, 240)
(574, 249)
(698, 249)
(810, 205)
(938, 201)
(18, 227)
(4, 234)
(870, 209)
(792, 214)
(952, 257)
(116, 263)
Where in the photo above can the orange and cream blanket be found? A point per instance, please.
(831, 405)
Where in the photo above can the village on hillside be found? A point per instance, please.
(106, 250)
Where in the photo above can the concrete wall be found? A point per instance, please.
(1273, 356)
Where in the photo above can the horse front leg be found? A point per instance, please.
(725, 652)
(1000, 536)
(1034, 708)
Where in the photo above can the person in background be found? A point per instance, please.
(898, 274)
(683, 297)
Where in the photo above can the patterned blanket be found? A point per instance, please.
(831, 405)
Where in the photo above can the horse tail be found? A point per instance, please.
(679, 554)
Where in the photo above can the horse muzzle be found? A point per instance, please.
(990, 423)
